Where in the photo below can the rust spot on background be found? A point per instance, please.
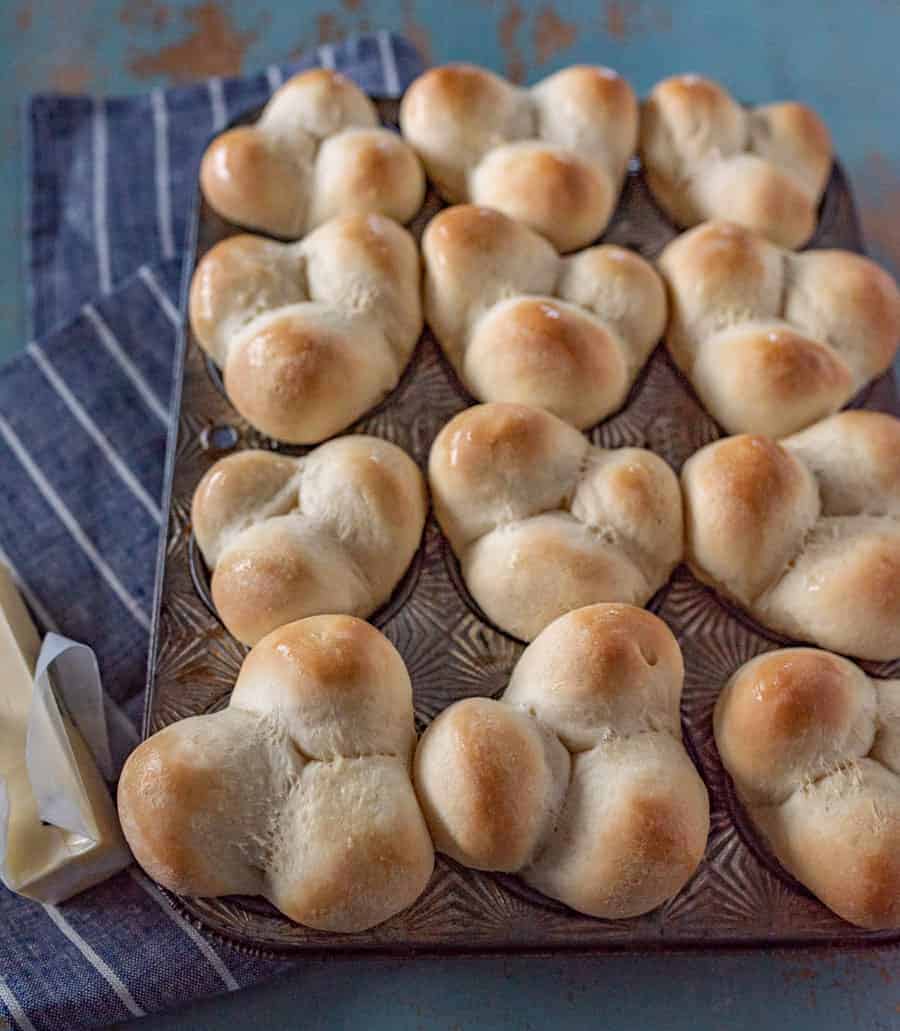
(623, 19)
(507, 33)
(23, 17)
(215, 46)
(618, 18)
(70, 78)
(879, 201)
(416, 32)
(352, 5)
(552, 34)
(145, 14)
(328, 28)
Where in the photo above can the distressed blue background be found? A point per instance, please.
(839, 56)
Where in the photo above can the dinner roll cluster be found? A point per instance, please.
(770, 340)
(519, 323)
(310, 335)
(299, 790)
(705, 156)
(813, 747)
(553, 156)
(317, 151)
(577, 778)
(333, 531)
(542, 522)
(805, 533)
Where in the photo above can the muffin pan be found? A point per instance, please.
(740, 896)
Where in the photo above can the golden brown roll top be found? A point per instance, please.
(299, 790)
(542, 522)
(553, 156)
(520, 324)
(773, 341)
(707, 157)
(805, 533)
(813, 747)
(316, 152)
(313, 334)
(333, 531)
(577, 778)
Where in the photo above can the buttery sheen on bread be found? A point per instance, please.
(310, 335)
(299, 790)
(705, 156)
(521, 324)
(577, 779)
(542, 522)
(333, 531)
(805, 533)
(813, 747)
(317, 151)
(773, 341)
(553, 156)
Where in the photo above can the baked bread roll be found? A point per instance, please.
(310, 335)
(299, 791)
(542, 522)
(813, 747)
(518, 323)
(553, 156)
(577, 778)
(333, 531)
(317, 151)
(705, 156)
(770, 340)
(805, 534)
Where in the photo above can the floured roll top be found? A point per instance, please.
(310, 335)
(813, 747)
(333, 531)
(705, 156)
(553, 156)
(805, 533)
(299, 791)
(521, 324)
(542, 522)
(770, 340)
(577, 778)
(317, 151)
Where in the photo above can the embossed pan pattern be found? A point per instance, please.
(739, 896)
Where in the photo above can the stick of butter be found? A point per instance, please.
(58, 828)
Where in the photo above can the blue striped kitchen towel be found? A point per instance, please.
(83, 417)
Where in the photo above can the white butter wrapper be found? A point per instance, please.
(59, 832)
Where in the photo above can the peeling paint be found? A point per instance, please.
(145, 14)
(552, 34)
(416, 31)
(507, 34)
(879, 204)
(215, 46)
(24, 16)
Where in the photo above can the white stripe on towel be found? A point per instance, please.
(107, 338)
(163, 185)
(94, 431)
(217, 103)
(15, 1007)
(159, 295)
(100, 965)
(326, 55)
(388, 64)
(215, 960)
(273, 74)
(101, 232)
(71, 524)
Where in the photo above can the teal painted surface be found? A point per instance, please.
(838, 56)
